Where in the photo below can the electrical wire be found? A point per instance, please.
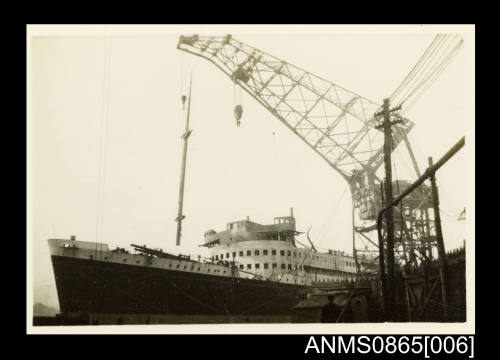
(429, 67)
(416, 67)
(433, 76)
(431, 61)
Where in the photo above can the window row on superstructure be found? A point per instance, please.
(273, 266)
(264, 252)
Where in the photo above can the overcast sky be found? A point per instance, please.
(232, 172)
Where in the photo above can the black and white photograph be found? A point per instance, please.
(242, 177)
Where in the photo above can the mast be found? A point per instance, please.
(185, 136)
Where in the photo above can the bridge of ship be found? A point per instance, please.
(283, 228)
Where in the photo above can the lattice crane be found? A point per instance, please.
(338, 124)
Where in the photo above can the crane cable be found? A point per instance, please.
(183, 76)
(237, 101)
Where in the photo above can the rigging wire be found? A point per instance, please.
(332, 214)
(400, 158)
(103, 141)
(452, 217)
(443, 193)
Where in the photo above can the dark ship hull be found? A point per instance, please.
(91, 286)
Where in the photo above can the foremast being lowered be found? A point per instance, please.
(185, 136)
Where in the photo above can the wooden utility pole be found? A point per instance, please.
(440, 244)
(381, 260)
(185, 136)
(390, 296)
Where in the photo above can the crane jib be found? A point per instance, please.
(304, 101)
(315, 109)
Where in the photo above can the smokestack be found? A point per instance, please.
(291, 212)
(248, 218)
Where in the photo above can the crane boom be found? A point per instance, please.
(336, 123)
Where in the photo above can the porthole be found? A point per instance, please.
(177, 266)
(137, 261)
(105, 258)
(169, 265)
(91, 256)
(198, 269)
(124, 259)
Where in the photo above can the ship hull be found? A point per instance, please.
(91, 286)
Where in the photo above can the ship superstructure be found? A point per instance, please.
(270, 252)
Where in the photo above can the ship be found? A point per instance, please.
(252, 269)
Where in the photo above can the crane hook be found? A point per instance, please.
(183, 98)
(238, 111)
